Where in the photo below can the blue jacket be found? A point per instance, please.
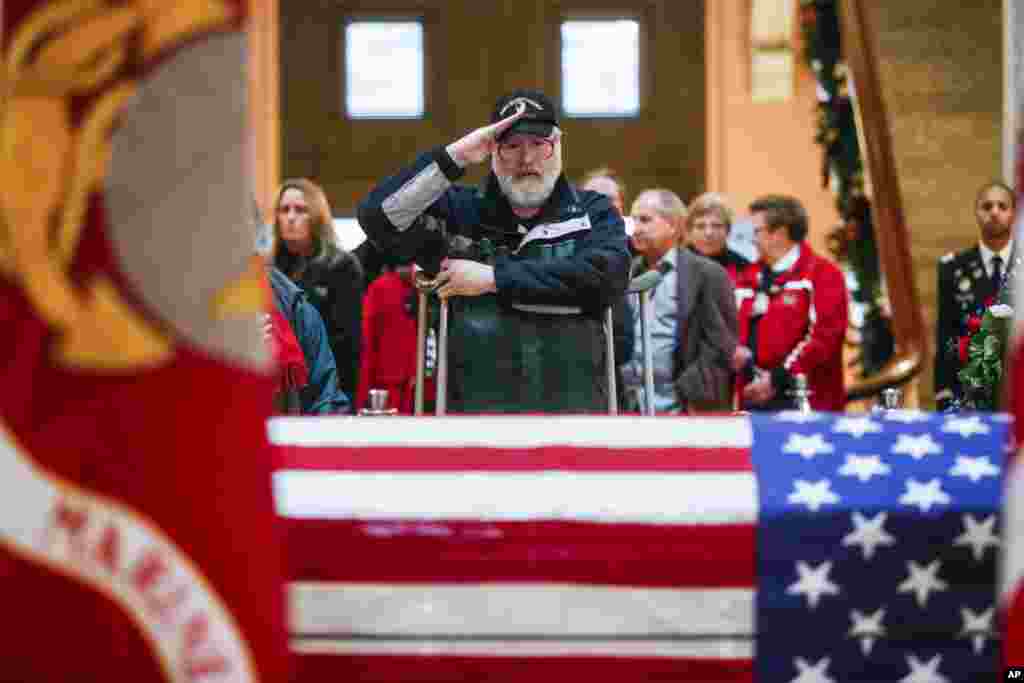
(321, 396)
(419, 214)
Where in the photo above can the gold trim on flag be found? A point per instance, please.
(49, 168)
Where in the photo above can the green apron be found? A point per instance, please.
(504, 360)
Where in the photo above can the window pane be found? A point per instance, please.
(601, 68)
(771, 22)
(384, 69)
(350, 234)
(772, 64)
(771, 75)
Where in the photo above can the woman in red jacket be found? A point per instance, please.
(389, 342)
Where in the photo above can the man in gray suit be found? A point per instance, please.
(693, 328)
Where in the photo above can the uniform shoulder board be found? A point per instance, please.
(948, 258)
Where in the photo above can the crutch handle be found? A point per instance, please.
(648, 351)
(421, 349)
(424, 282)
(647, 281)
(609, 355)
(642, 285)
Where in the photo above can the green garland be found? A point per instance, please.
(842, 170)
(981, 353)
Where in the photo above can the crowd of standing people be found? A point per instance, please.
(529, 264)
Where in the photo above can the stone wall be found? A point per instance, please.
(942, 80)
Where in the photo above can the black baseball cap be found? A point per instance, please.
(539, 118)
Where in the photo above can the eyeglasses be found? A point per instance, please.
(517, 148)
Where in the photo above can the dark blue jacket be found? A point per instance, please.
(321, 396)
(419, 214)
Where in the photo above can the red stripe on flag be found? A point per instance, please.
(1013, 607)
(382, 459)
(466, 551)
(1013, 642)
(1016, 388)
(387, 669)
(1013, 645)
(419, 551)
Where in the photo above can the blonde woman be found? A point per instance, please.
(707, 225)
(306, 250)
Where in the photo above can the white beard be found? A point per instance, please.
(529, 192)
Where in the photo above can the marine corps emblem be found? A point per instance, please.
(92, 185)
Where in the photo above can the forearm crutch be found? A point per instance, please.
(424, 286)
(441, 400)
(642, 285)
(609, 354)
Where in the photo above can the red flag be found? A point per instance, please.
(291, 364)
(137, 533)
(1013, 523)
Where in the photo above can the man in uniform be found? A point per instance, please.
(969, 282)
(528, 263)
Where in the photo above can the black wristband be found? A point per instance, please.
(452, 171)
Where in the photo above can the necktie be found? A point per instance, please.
(997, 273)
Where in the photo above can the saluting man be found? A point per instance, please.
(527, 261)
(969, 282)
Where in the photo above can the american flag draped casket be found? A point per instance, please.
(769, 548)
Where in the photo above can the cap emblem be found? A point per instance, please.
(519, 104)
